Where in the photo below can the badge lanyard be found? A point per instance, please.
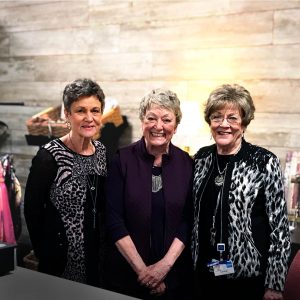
(221, 266)
(221, 245)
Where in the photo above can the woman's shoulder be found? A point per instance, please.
(54, 145)
(99, 145)
(260, 156)
(178, 152)
(259, 151)
(133, 147)
(205, 151)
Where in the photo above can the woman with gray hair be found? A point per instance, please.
(240, 236)
(148, 195)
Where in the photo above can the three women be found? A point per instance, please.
(240, 237)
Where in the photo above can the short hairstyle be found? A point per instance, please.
(235, 95)
(82, 88)
(164, 98)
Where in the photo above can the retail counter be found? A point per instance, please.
(25, 284)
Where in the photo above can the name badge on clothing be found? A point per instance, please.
(224, 267)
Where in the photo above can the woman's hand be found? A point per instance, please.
(153, 275)
(160, 290)
(272, 295)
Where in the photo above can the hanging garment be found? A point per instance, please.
(7, 234)
(14, 192)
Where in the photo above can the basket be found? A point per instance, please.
(49, 123)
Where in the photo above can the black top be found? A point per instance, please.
(157, 217)
(59, 208)
(208, 206)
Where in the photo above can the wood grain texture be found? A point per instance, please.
(131, 47)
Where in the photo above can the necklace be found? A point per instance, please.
(213, 230)
(219, 180)
(156, 183)
(92, 186)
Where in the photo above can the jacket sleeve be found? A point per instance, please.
(184, 231)
(276, 207)
(41, 176)
(115, 224)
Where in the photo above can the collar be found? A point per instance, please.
(143, 151)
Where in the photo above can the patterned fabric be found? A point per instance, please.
(254, 170)
(68, 195)
(7, 234)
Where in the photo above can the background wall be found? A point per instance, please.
(130, 47)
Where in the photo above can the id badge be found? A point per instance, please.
(224, 267)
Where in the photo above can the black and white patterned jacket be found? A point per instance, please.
(258, 231)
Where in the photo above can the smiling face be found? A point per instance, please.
(158, 126)
(85, 117)
(227, 129)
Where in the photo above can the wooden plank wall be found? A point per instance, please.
(130, 47)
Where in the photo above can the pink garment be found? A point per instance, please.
(7, 234)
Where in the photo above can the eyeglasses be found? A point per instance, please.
(218, 119)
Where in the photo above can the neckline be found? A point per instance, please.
(76, 153)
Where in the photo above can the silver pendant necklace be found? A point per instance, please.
(156, 183)
(220, 178)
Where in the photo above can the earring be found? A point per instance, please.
(68, 124)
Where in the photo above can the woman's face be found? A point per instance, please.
(227, 129)
(158, 126)
(85, 116)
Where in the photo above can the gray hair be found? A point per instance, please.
(235, 95)
(82, 88)
(164, 98)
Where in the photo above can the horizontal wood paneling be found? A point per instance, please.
(131, 47)
(223, 31)
(36, 15)
(287, 26)
(114, 67)
(157, 11)
(229, 63)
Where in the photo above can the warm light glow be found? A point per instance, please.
(193, 132)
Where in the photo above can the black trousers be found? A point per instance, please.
(210, 287)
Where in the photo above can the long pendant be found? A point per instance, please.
(212, 236)
(93, 188)
(213, 232)
(219, 180)
(94, 218)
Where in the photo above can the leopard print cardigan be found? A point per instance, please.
(254, 169)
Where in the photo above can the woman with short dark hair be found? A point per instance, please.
(64, 191)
